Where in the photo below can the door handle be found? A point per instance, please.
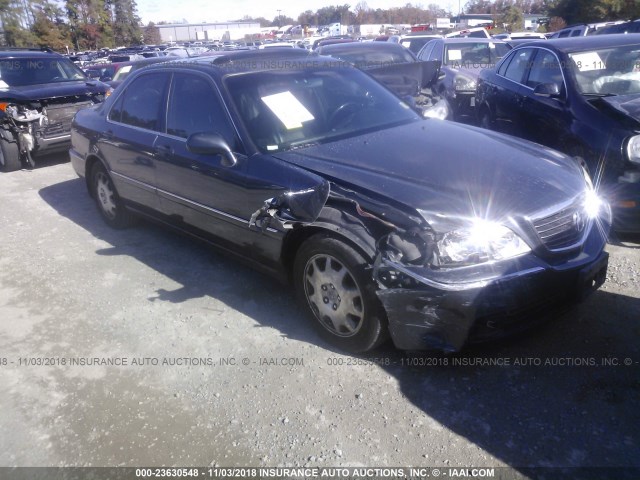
(163, 150)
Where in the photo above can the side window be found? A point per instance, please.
(194, 107)
(426, 51)
(545, 69)
(518, 66)
(115, 114)
(141, 105)
(503, 66)
(437, 52)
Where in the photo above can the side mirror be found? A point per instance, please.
(550, 90)
(208, 143)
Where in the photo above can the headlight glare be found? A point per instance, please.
(440, 111)
(482, 241)
(592, 204)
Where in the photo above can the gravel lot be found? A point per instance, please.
(74, 290)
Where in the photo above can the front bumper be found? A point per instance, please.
(625, 206)
(525, 292)
(463, 105)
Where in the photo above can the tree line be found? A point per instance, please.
(92, 24)
(74, 24)
(559, 12)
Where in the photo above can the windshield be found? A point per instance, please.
(293, 108)
(15, 72)
(474, 54)
(609, 71)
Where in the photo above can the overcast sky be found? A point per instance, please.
(198, 11)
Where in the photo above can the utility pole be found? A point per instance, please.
(279, 17)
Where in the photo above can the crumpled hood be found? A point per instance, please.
(47, 91)
(628, 105)
(448, 169)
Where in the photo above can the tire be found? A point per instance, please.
(333, 285)
(108, 201)
(9, 156)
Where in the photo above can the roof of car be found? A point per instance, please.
(32, 53)
(570, 44)
(471, 39)
(354, 46)
(241, 61)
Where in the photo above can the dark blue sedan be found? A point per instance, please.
(580, 96)
(311, 170)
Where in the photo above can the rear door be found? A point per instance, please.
(199, 189)
(133, 124)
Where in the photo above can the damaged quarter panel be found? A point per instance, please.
(436, 233)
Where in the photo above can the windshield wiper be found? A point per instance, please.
(600, 95)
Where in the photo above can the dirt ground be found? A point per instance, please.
(141, 347)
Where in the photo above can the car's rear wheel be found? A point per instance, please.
(9, 156)
(107, 199)
(332, 283)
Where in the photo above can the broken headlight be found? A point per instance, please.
(479, 242)
(19, 113)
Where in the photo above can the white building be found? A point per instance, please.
(188, 32)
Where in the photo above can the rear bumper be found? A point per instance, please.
(77, 162)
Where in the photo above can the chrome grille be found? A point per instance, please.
(562, 229)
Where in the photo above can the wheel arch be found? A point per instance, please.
(359, 239)
(91, 161)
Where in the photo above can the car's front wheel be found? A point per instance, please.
(109, 203)
(9, 155)
(332, 283)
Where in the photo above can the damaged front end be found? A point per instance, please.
(292, 207)
(18, 123)
(445, 282)
(41, 125)
(473, 280)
